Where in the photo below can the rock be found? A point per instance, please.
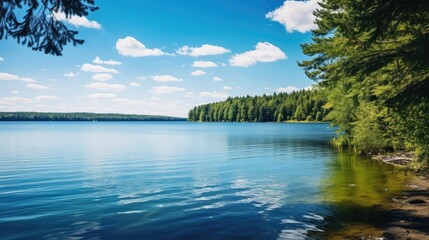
(414, 200)
(352, 185)
(412, 186)
(395, 233)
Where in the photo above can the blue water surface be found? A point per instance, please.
(164, 180)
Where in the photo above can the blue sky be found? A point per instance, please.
(162, 57)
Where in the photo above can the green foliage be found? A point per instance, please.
(297, 106)
(367, 131)
(38, 28)
(39, 116)
(372, 57)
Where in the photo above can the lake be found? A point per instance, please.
(179, 180)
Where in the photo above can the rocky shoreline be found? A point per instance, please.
(402, 159)
(410, 210)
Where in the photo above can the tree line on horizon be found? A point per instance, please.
(369, 58)
(304, 105)
(46, 116)
(371, 61)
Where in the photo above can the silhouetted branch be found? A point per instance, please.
(38, 28)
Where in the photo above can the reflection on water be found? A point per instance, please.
(184, 181)
(355, 180)
(356, 189)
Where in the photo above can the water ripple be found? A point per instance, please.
(160, 181)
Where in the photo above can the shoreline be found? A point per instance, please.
(410, 209)
(289, 121)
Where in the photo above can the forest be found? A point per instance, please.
(304, 105)
(45, 116)
(371, 61)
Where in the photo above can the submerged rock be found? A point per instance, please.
(415, 200)
(395, 233)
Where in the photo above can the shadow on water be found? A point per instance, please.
(357, 191)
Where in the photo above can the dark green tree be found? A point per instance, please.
(46, 116)
(38, 28)
(278, 107)
(372, 57)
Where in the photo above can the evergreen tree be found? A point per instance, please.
(278, 107)
(33, 24)
(372, 58)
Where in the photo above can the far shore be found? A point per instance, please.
(82, 116)
(294, 121)
(289, 121)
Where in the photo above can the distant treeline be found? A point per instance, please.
(42, 116)
(304, 105)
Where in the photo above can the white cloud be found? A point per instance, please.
(11, 77)
(87, 67)
(13, 100)
(126, 101)
(198, 73)
(188, 94)
(77, 21)
(173, 104)
(311, 87)
(45, 97)
(166, 89)
(166, 78)
(70, 74)
(98, 60)
(106, 86)
(14, 92)
(1, 59)
(264, 52)
(204, 50)
(135, 84)
(287, 89)
(217, 79)
(295, 15)
(101, 95)
(102, 76)
(214, 94)
(28, 80)
(130, 46)
(204, 64)
(141, 78)
(155, 99)
(227, 88)
(36, 86)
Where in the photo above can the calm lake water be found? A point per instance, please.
(179, 180)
